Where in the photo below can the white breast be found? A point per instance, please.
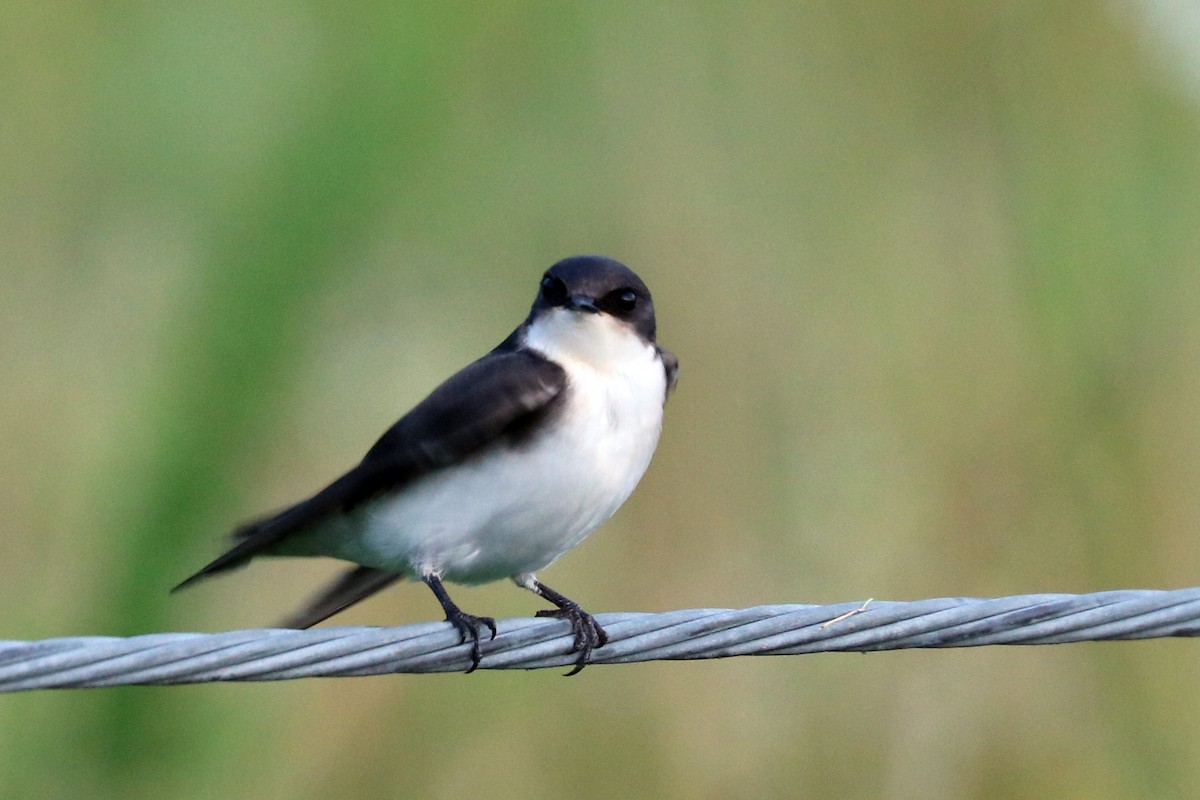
(514, 510)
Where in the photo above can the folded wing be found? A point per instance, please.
(498, 399)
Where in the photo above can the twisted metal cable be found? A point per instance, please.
(271, 654)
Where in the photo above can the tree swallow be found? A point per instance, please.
(500, 470)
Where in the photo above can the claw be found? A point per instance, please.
(469, 627)
(588, 633)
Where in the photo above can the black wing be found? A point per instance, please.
(671, 367)
(500, 396)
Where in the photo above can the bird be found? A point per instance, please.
(501, 469)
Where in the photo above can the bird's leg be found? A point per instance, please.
(468, 625)
(588, 633)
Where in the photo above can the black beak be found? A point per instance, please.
(581, 302)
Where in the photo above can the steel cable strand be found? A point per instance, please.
(533, 643)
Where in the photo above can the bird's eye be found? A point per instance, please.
(554, 291)
(620, 302)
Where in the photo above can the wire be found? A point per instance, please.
(535, 643)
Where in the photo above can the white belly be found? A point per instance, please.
(514, 510)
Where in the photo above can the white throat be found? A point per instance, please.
(598, 341)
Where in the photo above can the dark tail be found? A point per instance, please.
(262, 535)
(253, 539)
(237, 556)
(355, 585)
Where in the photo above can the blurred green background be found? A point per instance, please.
(932, 270)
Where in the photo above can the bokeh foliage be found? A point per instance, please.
(932, 270)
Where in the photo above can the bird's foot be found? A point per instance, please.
(467, 625)
(588, 633)
(470, 627)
